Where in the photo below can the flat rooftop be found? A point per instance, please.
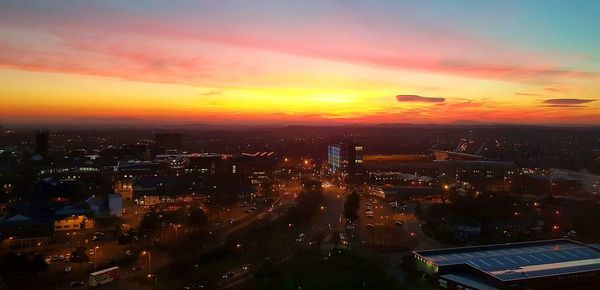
(521, 260)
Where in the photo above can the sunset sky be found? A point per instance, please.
(300, 62)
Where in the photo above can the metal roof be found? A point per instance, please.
(469, 281)
(521, 260)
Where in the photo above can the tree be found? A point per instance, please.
(197, 217)
(79, 256)
(351, 206)
(38, 264)
(418, 210)
(308, 203)
(14, 263)
(150, 221)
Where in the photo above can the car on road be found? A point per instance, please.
(76, 284)
(92, 252)
(398, 223)
(370, 225)
(247, 267)
(196, 285)
(300, 237)
(98, 236)
(67, 269)
(228, 275)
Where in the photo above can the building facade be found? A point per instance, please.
(344, 159)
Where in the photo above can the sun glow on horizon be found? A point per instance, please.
(319, 62)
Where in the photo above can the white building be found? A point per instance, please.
(115, 204)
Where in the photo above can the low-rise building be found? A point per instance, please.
(68, 219)
(551, 264)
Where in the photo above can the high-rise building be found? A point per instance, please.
(344, 158)
(42, 142)
(168, 141)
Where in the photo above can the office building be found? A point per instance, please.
(344, 159)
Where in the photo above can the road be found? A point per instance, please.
(224, 223)
(323, 224)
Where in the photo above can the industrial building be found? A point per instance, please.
(590, 183)
(550, 264)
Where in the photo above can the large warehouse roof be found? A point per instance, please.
(521, 260)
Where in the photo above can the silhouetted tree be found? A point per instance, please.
(351, 206)
(418, 210)
(150, 221)
(197, 217)
(38, 264)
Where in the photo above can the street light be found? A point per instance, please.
(149, 262)
(155, 279)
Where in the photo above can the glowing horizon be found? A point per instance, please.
(314, 62)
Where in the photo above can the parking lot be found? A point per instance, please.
(382, 225)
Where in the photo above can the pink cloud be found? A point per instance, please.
(138, 47)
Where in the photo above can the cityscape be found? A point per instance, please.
(299, 145)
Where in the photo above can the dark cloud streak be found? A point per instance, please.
(418, 99)
(567, 101)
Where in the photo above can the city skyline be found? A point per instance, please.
(309, 62)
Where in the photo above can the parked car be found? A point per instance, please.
(76, 284)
